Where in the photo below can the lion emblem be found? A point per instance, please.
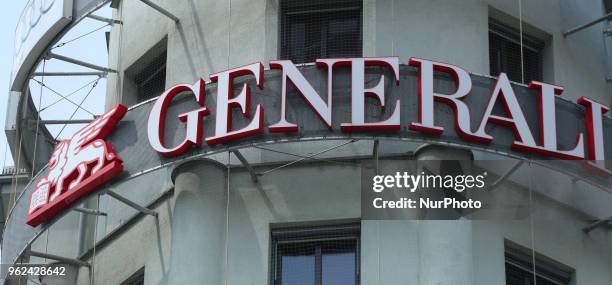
(78, 165)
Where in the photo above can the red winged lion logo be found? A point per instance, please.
(76, 167)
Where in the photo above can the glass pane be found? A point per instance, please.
(338, 268)
(298, 269)
(338, 265)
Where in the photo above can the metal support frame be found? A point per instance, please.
(62, 122)
(596, 224)
(246, 165)
(8, 178)
(130, 203)
(584, 26)
(307, 157)
(89, 211)
(506, 175)
(68, 260)
(78, 62)
(375, 156)
(161, 10)
(303, 156)
(103, 19)
(100, 74)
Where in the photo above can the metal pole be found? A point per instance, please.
(161, 10)
(375, 156)
(68, 260)
(131, 204)
(62, 122)
(78, 62)
(246, 165)
(307, 157)
(595, 224)
(506, 175)
(100, 74)
(582, 27)
(90, 211)
(105, 20)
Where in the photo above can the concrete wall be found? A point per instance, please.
(194, 239)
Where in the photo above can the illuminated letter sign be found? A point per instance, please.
(193, 119)
(359, 92)
(427, 96)
(225, 102)
(514, 117)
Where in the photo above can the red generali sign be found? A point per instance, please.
(77, 166)
(588, 145)
(86, 161)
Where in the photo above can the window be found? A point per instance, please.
(519, 269)
(608, 6)
(505, 53)
(320, 29)
(151, 80)
(316, 255)
(146, 78)
(136, 278)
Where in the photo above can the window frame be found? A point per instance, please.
(142, 71)
(512, 35)
(138, 275)
(545, 267)
(150, 72)
(313, 235)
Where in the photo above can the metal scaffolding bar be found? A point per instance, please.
(307, 157)
(584, 26)
(246, 164)
(100, 74)
(596, 224)
(131, 204)
(68, 260)
(63, 97)
(8, 178)
(303, 156)
(63, 122)
(78, 62)
(103, 19)
(506, 175)
(90, 211)
(375, 155)
(161, 10)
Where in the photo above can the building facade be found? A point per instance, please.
(275, 206)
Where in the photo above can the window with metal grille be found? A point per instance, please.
(505, 53)
(327, 255)
(520, 269)
(136, 279)
(320, 29)
(608, 6)
(146, 78)
(151, 81)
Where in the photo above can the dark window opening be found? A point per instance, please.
(520, 269)
(315, 255)
(505, 53)
(151, 81)
(136, 278)
(146, 78)
(608, 6)
(320, 29)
